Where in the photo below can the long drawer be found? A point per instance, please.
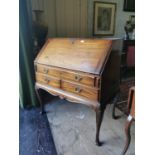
(85, 79)
(76, 77)
(80, 90)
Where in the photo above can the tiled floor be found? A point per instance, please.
(73, 128)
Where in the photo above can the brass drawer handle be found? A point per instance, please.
(77, 90)
(45, 70)
(78, 77)
(47, 80)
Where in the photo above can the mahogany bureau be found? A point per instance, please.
(84, 71)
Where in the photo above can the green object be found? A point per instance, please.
(40, 28)
(26, 56)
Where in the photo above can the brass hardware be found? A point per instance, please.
(45, 70)
(72, 40)
(77, 89)
(78, 77)
(47, 80)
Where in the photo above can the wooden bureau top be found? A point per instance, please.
(85, 55)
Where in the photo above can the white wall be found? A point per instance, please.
(121, 17)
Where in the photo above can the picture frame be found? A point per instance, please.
(104, 19)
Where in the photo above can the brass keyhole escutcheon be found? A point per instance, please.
(47, 80)
(78, 77)
(45, 70)
(77, 90)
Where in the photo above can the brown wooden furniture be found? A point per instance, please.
(128, 59)
(80, 70)
(121, 99)
(130, 119)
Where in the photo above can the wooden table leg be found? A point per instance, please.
(40, 100)
(114, 116)
(127, 133)
(99, 117)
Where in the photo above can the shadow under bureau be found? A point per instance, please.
(84, 71)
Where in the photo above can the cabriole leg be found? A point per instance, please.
(99, 117)
(40, 100)
(127, 133)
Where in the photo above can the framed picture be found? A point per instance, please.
(104, 18)
(129, 5)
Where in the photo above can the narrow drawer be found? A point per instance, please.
(51, 81)
(82, 91)
(80, 78)
(48, 70)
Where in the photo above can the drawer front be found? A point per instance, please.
(51, 81)
(90, 81)
(82, 91)
(48, 70)
(68, 75)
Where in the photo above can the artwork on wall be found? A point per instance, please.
(104, 18)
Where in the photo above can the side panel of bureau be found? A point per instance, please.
(111, 77)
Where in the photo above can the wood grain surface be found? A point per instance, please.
(80, 70)
(85, 55)
(87, 79)
(80, 90)
(45, 79)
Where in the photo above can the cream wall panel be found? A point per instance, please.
(71, 16)
(77, 18)
(65, 18)
(37, 4)
(50, 17)
(84, 19)
(60, 18)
